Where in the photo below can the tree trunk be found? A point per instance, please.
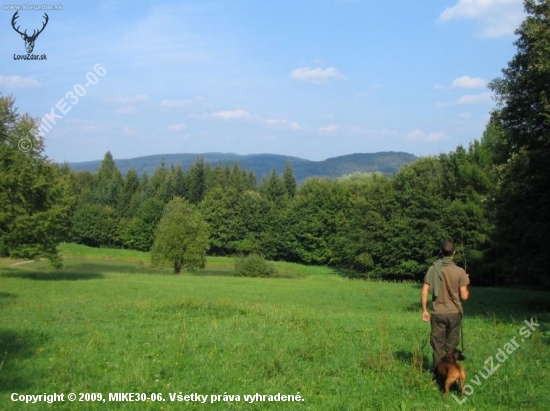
(177, 267)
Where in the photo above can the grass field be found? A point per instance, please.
(109, 323)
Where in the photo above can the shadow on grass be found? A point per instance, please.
(16, 346)
(77, 271)
(5, 299)
(231, 273)
(52, 276)
(418, 360)
(501, 304)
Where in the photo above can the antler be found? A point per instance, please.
(15, 16)
(34, 33)
(42, 29)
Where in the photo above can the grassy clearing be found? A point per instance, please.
(214, 265)
(114, 324)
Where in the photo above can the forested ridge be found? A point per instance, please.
(490, 198)
(262, 164)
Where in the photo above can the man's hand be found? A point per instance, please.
(424, 302)
(468, 275)
(425, 316)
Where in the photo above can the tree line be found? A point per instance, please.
(365, 224)
(490, 198)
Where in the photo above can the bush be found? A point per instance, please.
(254, 265)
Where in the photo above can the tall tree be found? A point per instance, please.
(289, 181)
(181, 237)
(196, 184)
(109, 182)
(35, 199)
(523, 115)
(273, 188)
(127, 204)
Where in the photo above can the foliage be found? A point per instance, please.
(261, 165)
(35, 197)
(95, 225)
(490, 198)
(181, 238)
(109, 182)
(139, 232)
(254, 265)
(522, 119)
(366, 223)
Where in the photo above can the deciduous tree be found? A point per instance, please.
(523, 116)
(181, 237)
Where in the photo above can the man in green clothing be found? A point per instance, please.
(449, 284)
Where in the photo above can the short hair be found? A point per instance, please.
(447, 248)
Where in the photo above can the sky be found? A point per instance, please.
(312, 79)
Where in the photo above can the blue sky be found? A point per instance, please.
(313, 79)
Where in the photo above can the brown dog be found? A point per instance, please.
(450, 372)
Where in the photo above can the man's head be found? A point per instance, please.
(448, 249)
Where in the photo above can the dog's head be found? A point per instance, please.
(456, 355)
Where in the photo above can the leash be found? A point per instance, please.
(462, 313)
(426, 340)
(462, 333)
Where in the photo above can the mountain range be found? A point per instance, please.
(387, 162)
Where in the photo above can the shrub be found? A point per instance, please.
(254, 265)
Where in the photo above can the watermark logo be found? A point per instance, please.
(29, 40)
(501, 356)
(48, 121)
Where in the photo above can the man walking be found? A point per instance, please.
(449, 284)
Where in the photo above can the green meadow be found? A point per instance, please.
(109, 323)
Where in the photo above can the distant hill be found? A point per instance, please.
(387, 162)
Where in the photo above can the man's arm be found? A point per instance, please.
(424, 301)
(464, 292)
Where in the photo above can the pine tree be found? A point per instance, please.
(289, 181)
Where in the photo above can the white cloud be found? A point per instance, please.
(140, 98)
(83, 125)
(475, 98)
(480, 98)
(495, 18)
(316, 75)
(330, 128)
(18, 82)
(127, 110)
(175, 103)
(463, 82)
(175, 128)
(238, 114)
(283, 123)
(244, 115)
(468, 82)
(420, 135)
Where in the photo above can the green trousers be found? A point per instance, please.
(445, 334)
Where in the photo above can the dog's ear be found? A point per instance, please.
(457, 355)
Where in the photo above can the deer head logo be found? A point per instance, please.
(29, 40)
